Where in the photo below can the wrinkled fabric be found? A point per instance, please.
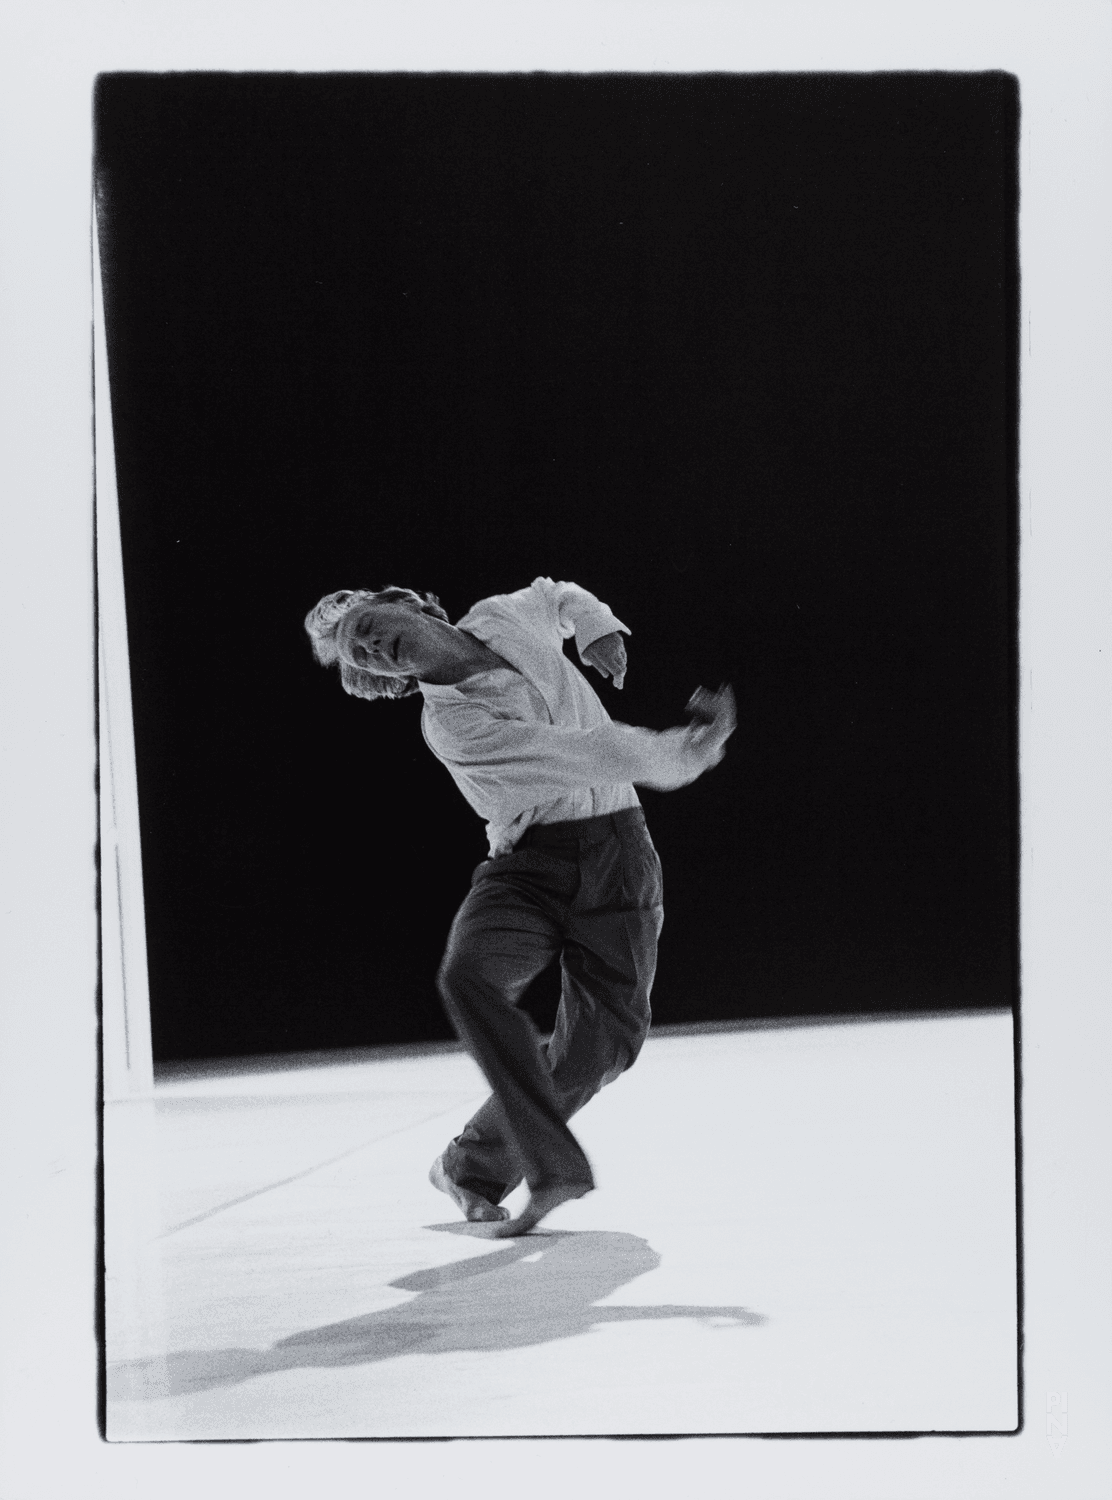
(532, 743)
(588, 893)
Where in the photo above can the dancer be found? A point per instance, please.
(572, 872)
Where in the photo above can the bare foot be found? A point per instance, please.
(476, 1209)
(541, 1202)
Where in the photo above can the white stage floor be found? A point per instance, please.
(804, 1228)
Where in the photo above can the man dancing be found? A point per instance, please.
(572, 871)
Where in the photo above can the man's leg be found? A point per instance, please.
(609, 960)
(608, 963)
(608, 967)
(506, 932)
(481, 1159)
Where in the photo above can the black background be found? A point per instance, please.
(736, 353)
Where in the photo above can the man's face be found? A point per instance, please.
(391, 640)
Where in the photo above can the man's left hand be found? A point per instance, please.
(608, 656)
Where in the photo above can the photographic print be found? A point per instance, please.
(557, 555)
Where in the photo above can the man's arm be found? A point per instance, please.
(517, 764)
(597, 630)
(551, 613)
(574, 610)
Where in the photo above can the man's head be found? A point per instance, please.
(380, 639)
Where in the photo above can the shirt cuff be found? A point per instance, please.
(593, 626)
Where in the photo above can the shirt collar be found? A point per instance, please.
(441, 691)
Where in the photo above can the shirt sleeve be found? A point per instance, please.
(510, 765)
(548, 612)
(577, 612)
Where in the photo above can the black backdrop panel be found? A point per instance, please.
(736, 353)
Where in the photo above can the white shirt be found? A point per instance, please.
(532, 743)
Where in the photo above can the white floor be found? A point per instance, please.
(797, 1229)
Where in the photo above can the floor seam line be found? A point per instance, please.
(298, 1176)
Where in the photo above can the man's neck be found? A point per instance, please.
(471, 658)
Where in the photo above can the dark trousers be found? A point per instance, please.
(589, 892)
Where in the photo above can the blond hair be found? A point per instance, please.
(323, 625)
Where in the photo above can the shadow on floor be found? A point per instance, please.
(542, 1287)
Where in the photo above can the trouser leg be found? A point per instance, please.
(503, 936)
(601, 1023)
(608, 965)
(608, 938)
